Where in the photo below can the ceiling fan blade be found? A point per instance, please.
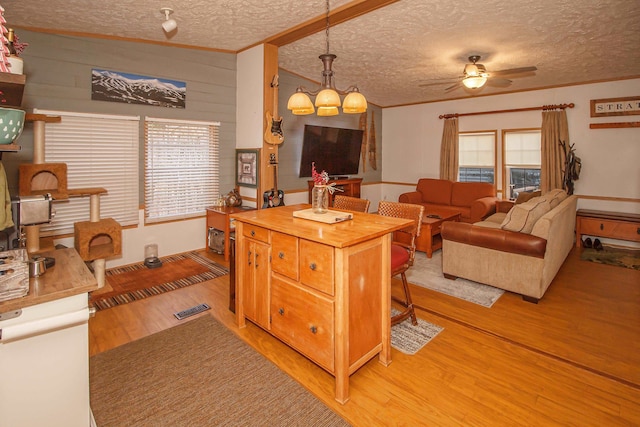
(498, 82)
(453, 87)
(445, 82)
(512, 71)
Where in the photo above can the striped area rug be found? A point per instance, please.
(135, 282)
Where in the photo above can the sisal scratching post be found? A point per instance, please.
(38, 142)
(94, 216)
(99, 271)
(32, 233)
(94, 208)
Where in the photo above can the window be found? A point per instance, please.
(476, 157)
(100, 151)
(181, 168)
(522, 159)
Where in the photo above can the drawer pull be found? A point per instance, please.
(313, 266)
(281, 255)
(281, 311)
(253, 233)
(313, 329)
(601, 226)
(638, 230)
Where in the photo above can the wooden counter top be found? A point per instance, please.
(362, 227)
(70, 276)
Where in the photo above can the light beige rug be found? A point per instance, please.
(427, 272)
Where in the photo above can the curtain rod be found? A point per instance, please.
(544, 107)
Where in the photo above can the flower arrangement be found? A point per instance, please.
(321, 178)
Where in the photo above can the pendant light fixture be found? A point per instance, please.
(327, 96)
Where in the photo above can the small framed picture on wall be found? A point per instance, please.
(247, 167)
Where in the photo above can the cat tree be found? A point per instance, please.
(96, 239)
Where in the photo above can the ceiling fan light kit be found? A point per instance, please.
(474, 82)
(327, 96)
(475, 74)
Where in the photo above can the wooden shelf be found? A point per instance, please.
(11, 89)
(10, 147)
(614, 125)
(42, 118)
(80, 192)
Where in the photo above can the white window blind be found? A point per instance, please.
(100, 151)
(522, 156)
(522, 148)
(182, 168)
(477, 149)
(476, 156)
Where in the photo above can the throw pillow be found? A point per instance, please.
(555, 197)
(525, 197)
(522, 217)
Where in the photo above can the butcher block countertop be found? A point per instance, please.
(68, 277)
(362, 227)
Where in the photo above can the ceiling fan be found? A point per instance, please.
(475, 76)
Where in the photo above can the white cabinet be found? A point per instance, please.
(44, 365)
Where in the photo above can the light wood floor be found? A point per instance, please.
(572, 359)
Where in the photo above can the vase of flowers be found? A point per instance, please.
(320, 191)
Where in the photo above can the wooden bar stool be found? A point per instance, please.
(403, 254)
(351, 203)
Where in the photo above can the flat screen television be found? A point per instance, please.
(335, 150)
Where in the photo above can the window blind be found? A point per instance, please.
(522, 148)
(100, 151)
(477, 149)
(182, 168)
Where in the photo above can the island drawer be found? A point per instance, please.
(303, 320)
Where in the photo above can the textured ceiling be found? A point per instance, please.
(389, 52)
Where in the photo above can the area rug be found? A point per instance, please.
(428, 274)
(620, 257)
(410, 339)
(198, 374)
(135, 282)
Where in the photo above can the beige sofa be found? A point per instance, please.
(520, 251)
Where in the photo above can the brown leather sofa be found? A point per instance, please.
(474, 201)
(520, 252)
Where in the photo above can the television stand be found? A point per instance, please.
(349, 187)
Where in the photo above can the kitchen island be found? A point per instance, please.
(324, 289)
(44, 347)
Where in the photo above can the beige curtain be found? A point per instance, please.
(555, 129)
(449, 150)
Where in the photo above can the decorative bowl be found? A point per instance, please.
(11, 124)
